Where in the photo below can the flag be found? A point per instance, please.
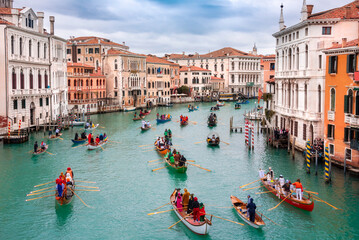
(260, 93)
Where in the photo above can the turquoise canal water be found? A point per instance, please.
(130, 190)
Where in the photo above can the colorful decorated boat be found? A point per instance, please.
(164, 120)
(241, 210)
(68, 195)
(201, 228)
(213, 141)
(305, 203)
(179, 169)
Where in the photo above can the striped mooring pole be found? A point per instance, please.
(252, 136)
(326, 167)
(19, 127)
(308, 156)
(9, 129)
(246, 132)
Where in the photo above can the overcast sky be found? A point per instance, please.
(174, 26)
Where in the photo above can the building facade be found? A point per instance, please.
(300, 68)
(32, 68)
(341, 125)
(197, 79)
(240, 70)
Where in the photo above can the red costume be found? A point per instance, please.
(89, 138)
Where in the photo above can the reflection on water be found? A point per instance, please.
(63, 213)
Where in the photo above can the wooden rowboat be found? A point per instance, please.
(178, 169)
(164, 120)
(241, 209)
(146, 113)
(220, 104)
(90, 128)
(93, 147)
(146, 128)
(79, 140)
(129, 109)
(138, 118)
(67, 198)
(305, 203)
(213, 143)
(53, 137)
(162, 151)
(201, 228)
(40, 151)
(212, 122)
(184, 123)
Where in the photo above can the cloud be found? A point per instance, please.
(169, 26)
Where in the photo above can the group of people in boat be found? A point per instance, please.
(212, 117)
(280, 133)
(191, 107)
(63, 182)
(97, 140)
(163, 144)
(215, 108)
(176, 158)
(163, 116)
(42, 147)
(146, 124)
(184, 118)
(213, 139)
(57, 133)
(282, 186)
(89, 125)
(83, 136)
(186, 202)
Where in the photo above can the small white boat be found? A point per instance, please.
(90, 128)
(93, 147)
(78, 123)
(201, 228)
(241, 210)
(129, 109)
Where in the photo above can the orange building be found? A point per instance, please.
(268, 68)
(341, 125)
(86, 87)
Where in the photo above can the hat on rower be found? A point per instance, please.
(68, 168)
(287, 181)
(280, 175)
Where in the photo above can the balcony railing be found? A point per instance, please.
(331, 116)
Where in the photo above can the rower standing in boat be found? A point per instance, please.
(270, 175)
(35, 147)
(185, 200)
(182, 161)
(251, 208)
(261, 173)
(83, 135)
(298, 189)
(190, 204)
(286, 188)
(195, 206)
(76, 136)
(57, 132)
(89, 138)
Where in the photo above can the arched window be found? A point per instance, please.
(20, 47)
(116, 82)
(91, 82)
(283, 61)
(69, 83)
(306, 56)
(232, 66)
(319, 98)
(75, 83)
(297, 58)
(31, 78)
(222, 67)
(87, 82)
(29, 21)
(22, 80)
(305, 96)
(103, 82)
(332, 99)
(30, 48)
(46, 80)
(13, 79)
(215, 67)
(357, 103)
(290, 59)
(207, 66)
(39, 80)
(45, 50)
(153, 71)
(12, 45)
(38, 49)
(116, 66)
(148, 70)
(97, 82)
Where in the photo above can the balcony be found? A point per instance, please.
(331, 116)
(31, 92)
(351, 119)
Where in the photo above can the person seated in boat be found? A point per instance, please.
(182, 161)
(270, 174)
(143, 124)
(62, 177)
(59, 187)
(251, 208)
(215, 116)
(168, 116)
(286, 188)
(177, 158)
(97, 140)
(169, 133)
(92, 142)
(89, 138)
(76, 136)
(57, 132)
(185, 199)
(202, 212)
(158, 116)
(298, 189)
(83, 135)
(195, 207)
(93, 126)
(50, 133)
(165, 133)
(69, 172)
(104, 136)
(172, 159)
(213, 138)
(281, 180)
(135, 116)
(101, 137)
(43, 145)
(179, 202)
(87, 125)
(35, 147)
(217, 139)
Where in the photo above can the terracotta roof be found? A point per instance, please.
(216, 78)
(2, 21)
(193, 69)
(340, 12)
(345, 45)
(5, 11)
(121, 52)
(223, 52)
(71, 64)
(268, 56)
(155, 59)
(92, 40)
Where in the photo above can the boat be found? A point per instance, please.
(138, 118)
(201, 228)
(210, 141)
(68, 197)
(242, 101)
(184, 123)
(237, 106)
(212, 121)
(179, 169)
(53, 137)
(215, 108)
(192, 108)
(241, 209)
(168, 105)
(80, 140)
(129, 109)
(164, 120)
(220, 104)
(305, 203)
(93, 147)
(161, 151)
(146, 128)
(90, 128)
(78, 123)
(146, 113)
(40, 150)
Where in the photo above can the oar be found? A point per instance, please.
(225, 142)
(101, 127)
(200, 167)
(149, 150)
(156, 163)
(268, 218)
(153, 170)
(79, 198)
(61, 138)
(280, 202)
(49, 153)
(31, 194)
(153, 213)
(154, 160)
(87, 190)
(80, 145)
(86, 186)
(161, 206)
(39, 197)
(191, 161)
(178, 221)
(101, 147)
(84, 181)
(115, 141)
(226, 219)
(250, 188)
(249, 183)
(321, 200)
(44, 184)
(263, 192)
(39, 190)
(311, 192)
(199, 142)
(145, 145)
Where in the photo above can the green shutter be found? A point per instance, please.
(348, 63)
(330, 65)
(346, 98)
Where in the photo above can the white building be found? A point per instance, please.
(300, 67)
(33, 82)
(240, 70)
(197, 79)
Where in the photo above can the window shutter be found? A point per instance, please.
(346, 134)
(330, 65)
(346, 98)
(335, 64)
(348, 63)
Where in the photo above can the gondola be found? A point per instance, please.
(212, 121)
(78, 123)
(305, 203)
(40, 150)
(67, 198)
(241, 209)
(53, 137)
(215, 108)
(96, 146)
(179, 169)
(146, 113)
(191, 109)
(184, 123)
(146, 128)
(164, 120)
(201, 228)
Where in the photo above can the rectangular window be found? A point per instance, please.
(306, 32)
(348, 154)
(23, 103)
(304, 131)
(47, 101)
(90, 50)
(296, 129)
(15, 104)
(333, 63)
(97, 50)
(331, 131)
(272, 66)
(320, 62)
(351, 63)
(115, 94)
(68, 51)
(40, 102)
(326, 30)
(331, 149)
(79, 51)
(346, 134)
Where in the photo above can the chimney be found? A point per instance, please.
(344, 42)
(40, 23)
(348, 12)
(52, 25)
(124, 43)
(310, 9)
